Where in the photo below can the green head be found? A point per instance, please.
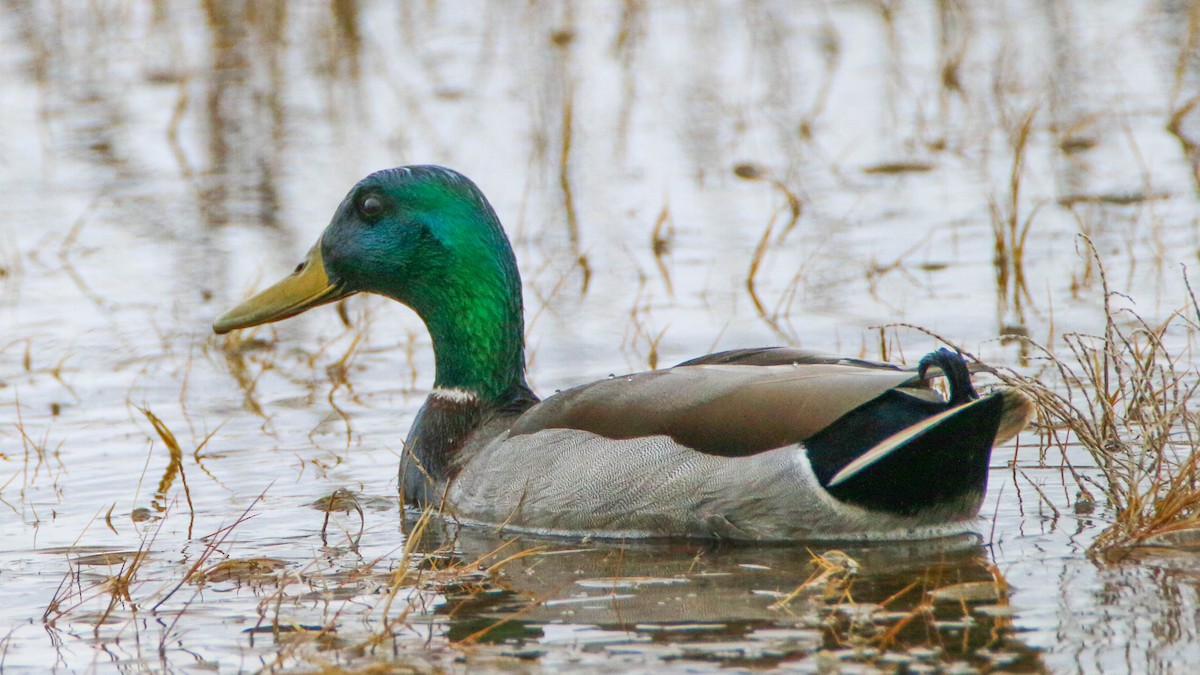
(427, 237)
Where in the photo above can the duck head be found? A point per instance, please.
(427, 237)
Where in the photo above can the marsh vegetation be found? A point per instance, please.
(868, 178)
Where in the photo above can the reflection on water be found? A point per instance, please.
(742, 605)
(242, 95)
(928, 164)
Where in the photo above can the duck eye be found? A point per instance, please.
(370, 206)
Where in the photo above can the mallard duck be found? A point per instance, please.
(762, 444)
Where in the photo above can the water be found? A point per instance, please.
(158, 162)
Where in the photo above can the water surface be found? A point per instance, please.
(160, 161)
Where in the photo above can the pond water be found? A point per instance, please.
(676, 178)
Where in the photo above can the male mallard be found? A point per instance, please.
(772, 443)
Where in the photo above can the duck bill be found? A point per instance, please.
(309, 286)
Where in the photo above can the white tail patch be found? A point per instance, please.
(461, 396)
(887, 445)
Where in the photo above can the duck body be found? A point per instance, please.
(759, 444)
(714, 449)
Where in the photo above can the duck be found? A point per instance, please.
(762, 444)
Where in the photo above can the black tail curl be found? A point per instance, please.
(945, 466)
(958, 376)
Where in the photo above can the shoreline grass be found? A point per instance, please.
(1125, 395)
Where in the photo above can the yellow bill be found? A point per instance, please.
(307, 287)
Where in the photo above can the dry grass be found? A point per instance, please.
(661, 240)
(830, 577)
(1126, 396)
(937, 617)
(793, 209)
(384, 592)
(174, 467)
(831, 59)
(642, 334)
(237, 349)
(1009, 233)
(121, 594)
(38, 454)
(1180, 111)
(564, 182)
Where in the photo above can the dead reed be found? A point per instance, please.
(794, 209)
(38, 455)
(1126, 396)
(174, 467)
(564, 181)
(937, 618)
(1009, 232)
(642, 333)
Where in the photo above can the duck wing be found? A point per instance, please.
(782, 356)
(719, 405)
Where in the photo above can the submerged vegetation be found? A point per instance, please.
(344, 610)
(677, 178)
